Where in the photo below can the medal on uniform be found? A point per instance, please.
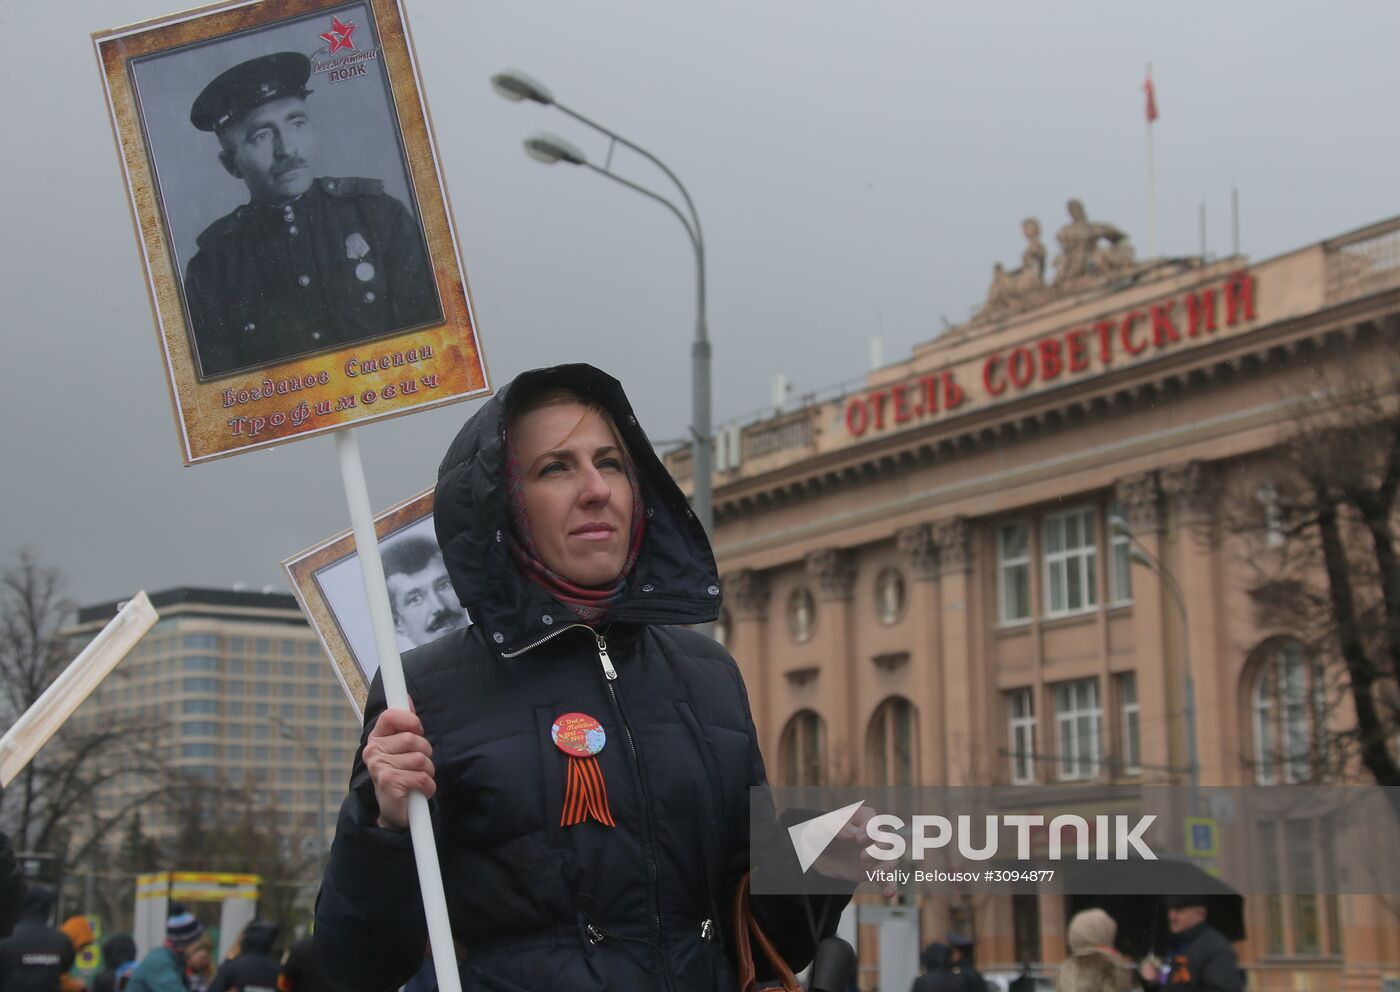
(581, 737)
(356, 248)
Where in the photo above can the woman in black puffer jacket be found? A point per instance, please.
(588, 759)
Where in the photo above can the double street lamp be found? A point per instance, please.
(517, 86)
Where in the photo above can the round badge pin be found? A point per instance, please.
(364, 272)
(578, 735)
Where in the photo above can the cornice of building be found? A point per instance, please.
(1263, 319)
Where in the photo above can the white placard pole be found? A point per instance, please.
(420, 824)
(83, 674)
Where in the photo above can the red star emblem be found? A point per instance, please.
(338, 36)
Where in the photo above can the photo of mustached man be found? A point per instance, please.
(309, 262)
(421, 596)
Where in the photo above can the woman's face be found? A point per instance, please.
(577, 497)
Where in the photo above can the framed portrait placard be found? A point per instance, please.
(326, 582)
(296, 236)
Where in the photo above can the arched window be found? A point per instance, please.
(890, 744)
(1289, 703)
(801, 749)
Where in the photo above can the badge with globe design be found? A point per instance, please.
(581, 737)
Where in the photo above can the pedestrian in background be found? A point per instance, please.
(963, 950)
(36, 956)
(938, 973)
(163, 969)
(11, 886)
(199, 965)
(255, 969)
(1199, 958)
(1093, 965)
(299, 972)
(117, 950)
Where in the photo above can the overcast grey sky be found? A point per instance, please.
(858, 169)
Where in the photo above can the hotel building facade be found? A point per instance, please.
(923, 584)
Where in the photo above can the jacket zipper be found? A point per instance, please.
(610, 676)
(549, 637)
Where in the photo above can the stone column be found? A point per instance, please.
(926, 654)
(746, 596)
(835, 572)
(961, 690)
(1194, 490)
(1159, 701)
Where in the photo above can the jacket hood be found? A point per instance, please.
(118, 949)
(937, 957)
(78, 931)
(38, 902)
(258, 937)
(674, 581)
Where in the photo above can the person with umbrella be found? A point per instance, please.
(1199, 958)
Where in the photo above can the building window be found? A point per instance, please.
(1297, 857)
(196, 751)
(1025, 925)
(200, 685)
(1014, 572)
(1020, 707)
(1078, 729)
(1120, 570)
(199, 706)
(800, 750)
(1129, 725)
(802, 614)
(890, 744)
(1290, 711)
(236, 666)
(197, 641)
(200, 663)
(889, 596)
(1070, 563)
(198, 728)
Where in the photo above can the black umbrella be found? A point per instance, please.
(1136, 893)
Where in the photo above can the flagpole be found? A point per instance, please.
(1151, 171)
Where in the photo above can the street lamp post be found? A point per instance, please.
(295, 736)
(517, 86)
(1140, 555)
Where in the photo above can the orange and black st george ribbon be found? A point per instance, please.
(581, 737)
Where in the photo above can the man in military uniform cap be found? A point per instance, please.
(308, 263)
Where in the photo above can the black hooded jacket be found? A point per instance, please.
(1200, 959)
(117, 950)
(938, 975)
(11, 887)
(534, 905)
(255, 969)
(35, 955)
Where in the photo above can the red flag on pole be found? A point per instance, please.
(1151, 98)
